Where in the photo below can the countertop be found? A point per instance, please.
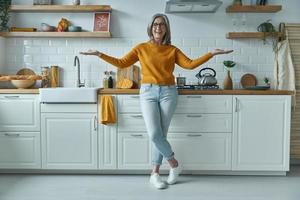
(187, 92)
(205, 92)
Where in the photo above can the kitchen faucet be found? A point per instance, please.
(78, 82)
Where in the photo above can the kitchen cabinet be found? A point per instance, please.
(201, 124)
(19, 112)
(69, 136)
(20, 131)
(134, 151)
(20, 150)
(107, 143)
(59, 9)
(261, 133)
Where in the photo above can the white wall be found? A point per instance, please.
(195, 34)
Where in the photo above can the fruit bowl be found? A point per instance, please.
(23, 84)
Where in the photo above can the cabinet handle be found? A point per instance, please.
(135, 97)
(12, 134)
(95, 123)
(236, 104)
(194, 115)
(136, 116)
(194, 97)
(11, 97)
(137, 135)
(194, 135)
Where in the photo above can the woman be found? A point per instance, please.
(158, 94)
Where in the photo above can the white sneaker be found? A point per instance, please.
(156, 181)
(173, 175)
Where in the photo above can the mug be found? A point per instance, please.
(180, 81)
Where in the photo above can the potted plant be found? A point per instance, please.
(4, 14)
(227, 84)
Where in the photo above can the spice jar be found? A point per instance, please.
(45, 77)
(54, 76)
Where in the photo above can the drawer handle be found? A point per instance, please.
(194, 115)
(137, 135)
(135, 97)
(137, 116)
(12, 134)
(194, 97)
(194, 135)
(95, 123)
(11, 97)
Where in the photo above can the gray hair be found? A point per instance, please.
(167, 37)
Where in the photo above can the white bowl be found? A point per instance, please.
(22, 84)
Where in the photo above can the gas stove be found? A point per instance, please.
(198, 87)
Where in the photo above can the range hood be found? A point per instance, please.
(192, 6)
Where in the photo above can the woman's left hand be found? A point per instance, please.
(220, 51)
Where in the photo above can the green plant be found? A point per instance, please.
(269, 30)
(229, 64)
(4, 14)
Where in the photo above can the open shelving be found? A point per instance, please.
(253, 8)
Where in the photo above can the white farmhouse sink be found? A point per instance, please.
(68, 95)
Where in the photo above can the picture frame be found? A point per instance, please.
(101, 21)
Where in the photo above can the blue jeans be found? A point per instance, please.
(158, 104)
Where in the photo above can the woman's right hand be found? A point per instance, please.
(91, 52)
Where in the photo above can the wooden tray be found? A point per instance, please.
(248, 80)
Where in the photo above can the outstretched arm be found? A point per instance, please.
(128, 60)
(185, 62)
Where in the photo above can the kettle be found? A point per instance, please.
(207, 78)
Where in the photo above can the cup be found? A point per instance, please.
(180, 81)
(76, 2)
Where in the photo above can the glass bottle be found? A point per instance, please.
(110, 80)
(105, 80)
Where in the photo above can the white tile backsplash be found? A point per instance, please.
(61, 52)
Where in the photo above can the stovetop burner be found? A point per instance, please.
(199, 87)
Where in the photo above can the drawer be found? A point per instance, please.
(131, 122)
(19, 112)
(129, 104)
(20, 150)
(186, 104)
(201, 151)
(204, 104)
(201, 123)
(180, 123)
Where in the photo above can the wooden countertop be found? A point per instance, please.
(205, 92)
(19, 91)
(186, 92)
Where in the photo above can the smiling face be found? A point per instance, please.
(159, 30)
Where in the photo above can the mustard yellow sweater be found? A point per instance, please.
(157, 62)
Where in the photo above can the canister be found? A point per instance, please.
(54, 76)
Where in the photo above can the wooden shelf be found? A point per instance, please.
(60, 8)
(103, 34)
(253, 9)
(239, 35)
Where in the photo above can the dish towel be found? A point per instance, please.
(284, 73)
(106, 110)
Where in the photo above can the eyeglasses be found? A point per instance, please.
(158, 24)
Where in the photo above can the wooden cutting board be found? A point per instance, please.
(131, 73)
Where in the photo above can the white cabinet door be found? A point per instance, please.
(19, 112)
(261, 133)
(20, 150)
(202, 151)
(69, 141)
(133, 151)
(107, 144)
